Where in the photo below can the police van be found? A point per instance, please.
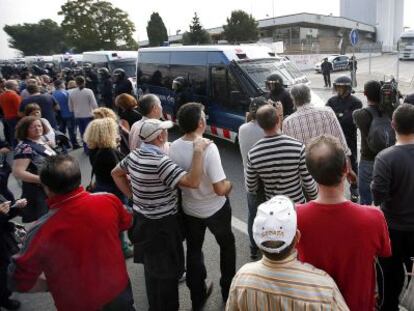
(67, 60)
(223, 78)
(113, 60)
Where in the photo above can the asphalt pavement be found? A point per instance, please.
(232, 164)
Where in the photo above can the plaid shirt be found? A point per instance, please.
(310, 121)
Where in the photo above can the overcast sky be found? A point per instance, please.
(176, 14)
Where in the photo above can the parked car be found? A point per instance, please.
(339, 62)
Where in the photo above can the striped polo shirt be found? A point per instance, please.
(154, 178)
(279, 162)
(283, 285)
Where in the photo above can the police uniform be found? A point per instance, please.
(343, 108)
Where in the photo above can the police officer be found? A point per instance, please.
(353, 68)
(182, 91)
(105, 87)
(344, 104)
(91, 78)
(326, 68)
(67, 74)
(121, 83)
(278, 93)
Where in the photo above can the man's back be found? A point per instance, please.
(279, 162)
(393, 186)
(283, 285)
(9, 104)
(77, 246)
(310, 121)
(82, 102)
(202, 202)
(343, 239)
(62, 97)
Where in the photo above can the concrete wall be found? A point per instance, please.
(308, 61)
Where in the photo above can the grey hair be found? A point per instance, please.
(301, 94)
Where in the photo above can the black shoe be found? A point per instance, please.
(209, 290)
(74, 147)
(11, 304)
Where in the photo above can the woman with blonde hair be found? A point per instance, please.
(102, 137)
(103, 112)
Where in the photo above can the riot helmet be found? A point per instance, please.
(104, 72)
(343, 85)
(119, 74)
(178, 83)
(274, 82)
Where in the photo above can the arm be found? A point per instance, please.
(337, 131)
(192, 178)
(381, 181)
(251, 177)
(214, 171)
(70, 104)
(19, 171)
(92, 101)
(309, 185)
(223, 187)
(120, 177)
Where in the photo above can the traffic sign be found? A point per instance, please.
(354, 37)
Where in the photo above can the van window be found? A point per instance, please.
(189, 58)
(154, 74)
(154, 57)
(216, 58)
(224, 86)
(195, 75)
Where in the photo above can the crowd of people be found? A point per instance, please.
(311, 247)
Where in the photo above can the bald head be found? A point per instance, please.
(11, 85)
(326, 160)
(267, 118)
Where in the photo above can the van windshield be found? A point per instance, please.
(259, 70)
(407, 41)
(129, 66)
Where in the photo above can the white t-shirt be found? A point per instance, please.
(202, 202)
(50, 136)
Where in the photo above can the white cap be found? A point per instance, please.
(275, 221)
(151, 128)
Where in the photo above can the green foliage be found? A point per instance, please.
(96, 25)
(241, 27)
(43, 38)
(197, 34)
(156, 31)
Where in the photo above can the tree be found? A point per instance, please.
(43, 38)
(241, 27)
(156, 31)
(96, 25)
(197, 34)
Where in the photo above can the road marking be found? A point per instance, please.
(239, 225)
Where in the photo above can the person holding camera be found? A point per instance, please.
(278, 93)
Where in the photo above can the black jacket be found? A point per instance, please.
(7, 249)
(284, 97)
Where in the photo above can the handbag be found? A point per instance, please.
(407, 293)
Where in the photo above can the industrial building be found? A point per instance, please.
(386, 15)
(305, 33)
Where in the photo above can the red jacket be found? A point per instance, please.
(77, 246)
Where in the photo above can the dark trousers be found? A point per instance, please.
(10, 128)
(162, 294)
(253, 201)
(4, 292)
(82, 123)
(327, 79)
(220, 226)
(402, 244)
(70, 124)
(124, 301)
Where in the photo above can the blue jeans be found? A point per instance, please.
(70, 124)
(82, 124)
(364, 181)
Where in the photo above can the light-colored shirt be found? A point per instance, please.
(249, 134)
(283, 285)
(82, 102)
(202, 202)
(134, 139)
(310, 121)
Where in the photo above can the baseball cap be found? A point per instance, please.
(275, 221)
(151, 128)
